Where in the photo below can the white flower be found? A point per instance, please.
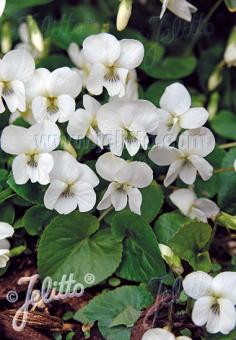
(84, 122)
(123, 15)
(161, 334)
(230, 51)
(32, 147)
(2, 6)
(71, 185)
(215, 297)
(193, 207)
(56, 101)
(127, 123)
(188, 160)
(111, 61)
(125, 178)
(181, 8)
(131, 88)
(77, 57)
(34, 46)
(176, 113)
(171, 259)
(16, 68)
(6, 231)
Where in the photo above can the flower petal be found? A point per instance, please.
(79, 124)
(175, 99)
(85, 195)
(19, 169)
(164, 155)
(95, 81)
(227, 319)
(158, 334)
(137, 174)
(119, 199)
(101, 48)
(173, 172)
(39, 109)
(204, 169)
(107, 162)
(91, 105)
(53, 193)
(194, 118)
(198, 284)
(6, 230)
(201, 310)
(208, 207)
(134, 200)
(188, 173)
(44, 137)
(62, 162)
(131, 54)
(66, 105)
(14, 140)
(106, 200)
(87, 175)
(183, 199)
(225, 285)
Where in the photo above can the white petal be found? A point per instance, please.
(44, 137)
(86, 175)
(183, 199)
(158, 334)
(145, 116)
(164, 155)
(85, 195)
(175, 99)
(132, 147)
(194, 118)
(95, 79)
(79, 124)
(53, 193)
(182, 9)
(106, 200)
(2, 6)
(225, 285)
(62, 162)
(196, 213)
(64, 81)
(208, 207)
(188, 173)
(198, 284)
(39, 109)
(197, 141)
(6, 230)
(41, 172)
(36, 86)
(135, 200)
(4, 258)
(227, 316)
(66, 105)
(201, 310)
(65, 205)
(14, 140)
(131, 55)
(101, 48)
(173, 172)
(19, 169)
(119, 199)
(91, 105)
(5, 244)
(17, 65)
(107, 162)
(137, 174)
(74, 53)
(204, 169)
(109, 116)
(164, 8)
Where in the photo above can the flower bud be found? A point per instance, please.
(215, 78)
(36, 37)
(230, 52)
(231, 4)
(6, 37)
(227, 220)
(171, 259)
(213, 104)
(124, 14)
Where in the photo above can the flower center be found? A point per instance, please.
(111, 74)
(7, 89)
(216, 308)
(52, 107)
(32, 161)
(67, 193)
(129, 136)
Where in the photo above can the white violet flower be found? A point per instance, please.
(71, 185)
(111, 61)
(162, 334)
(176, 113)
(216, 300)
(127, 123)
(32, 147)
(57, 99)
(181, 8)
(186, 161)
(193, 207)
(84, 122)
(6, 230)
(16, 68)
(77, 57)
(125, 177)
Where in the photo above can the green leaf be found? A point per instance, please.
(188, 243)
(224, 124)
(111, 306)
(155, 91)
(153, 55)
(36, 218)
(173, 68)
(167, 225)
(141, 259)
(32, 192)
(152, 201)
(72, 244)
(15, 5)
(7, 213)
(227, 184)
(5, 194)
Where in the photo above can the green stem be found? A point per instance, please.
(219, 171)
(105, 213)
(227, 145)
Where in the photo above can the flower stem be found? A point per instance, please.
(227, 145)
(219, 171)
(104, 214)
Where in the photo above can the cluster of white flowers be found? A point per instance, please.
(6, 231)
(45, 99)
